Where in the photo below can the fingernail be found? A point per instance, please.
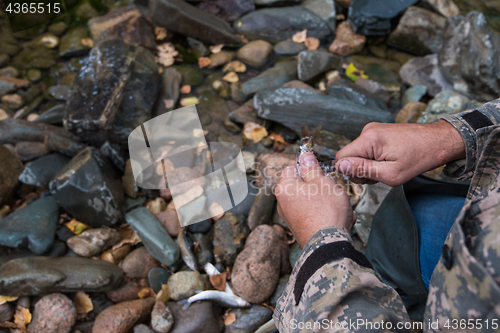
(345, 166)
(309, 160)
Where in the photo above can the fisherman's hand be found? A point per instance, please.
(395, 153)
(312, 203)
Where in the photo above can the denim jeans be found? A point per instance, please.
(434, 215)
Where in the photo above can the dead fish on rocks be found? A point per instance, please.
(187, 250)
(218, 297)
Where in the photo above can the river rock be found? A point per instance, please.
(41, 171)
(262, 208)
(54, 115)
(33, 227)
(347, 41)
(279, 289)
(181, 17)
(411, 112)
(71, 43)
(446, 103)
(288, 47)
(249, 320)
(45, 275)
(373, 18)
(419, 32)
(141, 328)
(287, 105)
(122, 317)
(138, 263)
(171, 80)
(88, 189)
(206, 248)
(10, 169)
(255, 53)
(157, 277)
(154, 237)
(200, 317)
(230, 233)
(127, 292)
(98, 113)
(244, 114)
(414, 94)
(34, 56)
(53, 313)
(170, 221)
(220, 58)
(311, 63)
(28, 151)
(447, 8)
(277, 24)
(184, 284)
(345, 89)
(6, 312)
(324, 9)
(94, 241)
(470, 57)
(126, 23)
(280, 73)
(161, 318)
(257, 268)
(17, 130)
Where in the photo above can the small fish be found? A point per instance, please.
(308, 147)
(267, 327)
(186, 250)
(218, 297)
(212, 270)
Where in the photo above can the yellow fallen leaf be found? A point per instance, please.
(22, 317)
(231, 77)
(83, 304)
(254, 132)
(300, 37)
(185, 89)
(145, 293)
(87, 42)
(77, 227)
(312, 43)
(219, 281)
(164, 294)
(189, 101)
(5, 299)
(353, 73)
(235, 66)
(203, 62)
(229, 318)
(161, 33)
(216, 48)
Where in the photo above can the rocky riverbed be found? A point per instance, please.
(84, 249)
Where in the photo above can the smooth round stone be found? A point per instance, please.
(34, 75)
(141, 328)
(9, 71)
(288, 47)
(6, 312)
(60, 93)
(156, 277)
(185, 284)
(414, 94)
(138, 263)
(200, 317)
(94, 241)
(255, 53)
(53, 313)
(249, 320)
(122, 317)
(28, 151)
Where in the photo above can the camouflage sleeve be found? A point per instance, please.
(337, 291)
(469, 125)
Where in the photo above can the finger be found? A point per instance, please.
(361, 168)
(357, 148)
(289, 172)
(309, 167)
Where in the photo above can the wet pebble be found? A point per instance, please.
(411, 112)
(6, 312)
(94, 241)
(156, 277)
(249, 320)
(34, 75)
(53, 313)
(9, 71)
(255, 53)
(170, 221)
(200, 227)
(161, 318)
(10, 169)
(60, 93)
(204, 255)
(347, 41)
(122, 317)
(138, 263)
(262, 208)
(28, 151)
(221, 58)
(12, 101)
(4, 59)
(230, 233)
(141, 328)
(200, 317)
(257, 268)
(185, 284)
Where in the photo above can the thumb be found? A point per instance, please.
(309, 167)
(362, 168)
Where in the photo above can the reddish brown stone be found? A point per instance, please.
(121, 318)
(347, 41)
(54, 313)
(170, 221)
(127, 292)
(269, 167)
(138, 263)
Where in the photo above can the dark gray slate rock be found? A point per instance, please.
(28, 151)
(420, 32)
(154, 237)
(59, 249)
(6, 87)
(243, 208)
(277, 24)
(424, 71)
(181, 17)
(113, 94)
(296, 107)
(276, 2)
(54, 115)
(204, 255)
(345, 89)
(311, 63)
(289, 47)
(324, 9)
(126, 23)
(89, 189)
(249, 320)
(200, 317)
(33, 227)
(262, 208)
(10, 169)
(373, 17)
(470, 57)
(44, 275)
(17, 130)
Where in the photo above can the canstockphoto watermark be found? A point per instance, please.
(354, 324)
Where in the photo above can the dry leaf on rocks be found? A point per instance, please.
(128, 237)
(22, 317)
(185, 89)
(52, 41)
(231, 77)
(77, 227)
(5, 299)
(87, 42)
(229, 318)
(312, 43)
(161, 33)
(300, 37)
(235, 66)
(83, 304)
(219, 281)
(145, 293)
(254, 132)
(203, 62)
(216, 48)
(164, 294)
(166, 54)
